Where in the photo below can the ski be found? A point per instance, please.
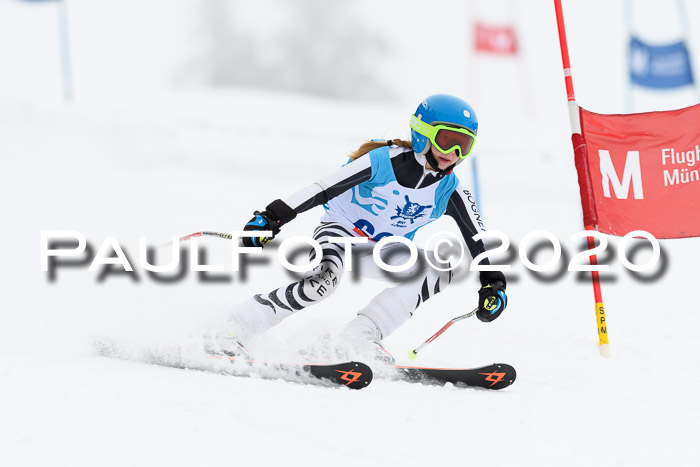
(351, 374)
(494, 376)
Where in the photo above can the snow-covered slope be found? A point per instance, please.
(175, 164)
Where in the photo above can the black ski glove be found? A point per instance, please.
(492, 296)
(272, 218)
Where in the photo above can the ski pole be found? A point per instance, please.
(227, 236)
(413, 354)
(224, 235)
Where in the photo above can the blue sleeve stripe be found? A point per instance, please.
(443, 192)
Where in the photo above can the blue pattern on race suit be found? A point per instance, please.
(381, 207)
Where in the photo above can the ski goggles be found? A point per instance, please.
(446, 138)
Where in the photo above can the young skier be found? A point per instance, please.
(388, 188)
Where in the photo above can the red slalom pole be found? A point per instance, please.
(590, 215)
(564, 52)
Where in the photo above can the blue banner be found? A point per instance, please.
(660, 67)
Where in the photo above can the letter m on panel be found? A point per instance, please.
(632, 175)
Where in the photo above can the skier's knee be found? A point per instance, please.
(322, 281)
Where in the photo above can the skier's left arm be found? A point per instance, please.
(492, 294)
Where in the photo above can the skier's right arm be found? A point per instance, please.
(280, 212)
(272, 219)
(322, 191)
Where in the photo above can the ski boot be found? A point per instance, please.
(361, 339)
(228, 344)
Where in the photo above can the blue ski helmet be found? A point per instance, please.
(442, 108)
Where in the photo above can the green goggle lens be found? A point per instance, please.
(446, 138)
